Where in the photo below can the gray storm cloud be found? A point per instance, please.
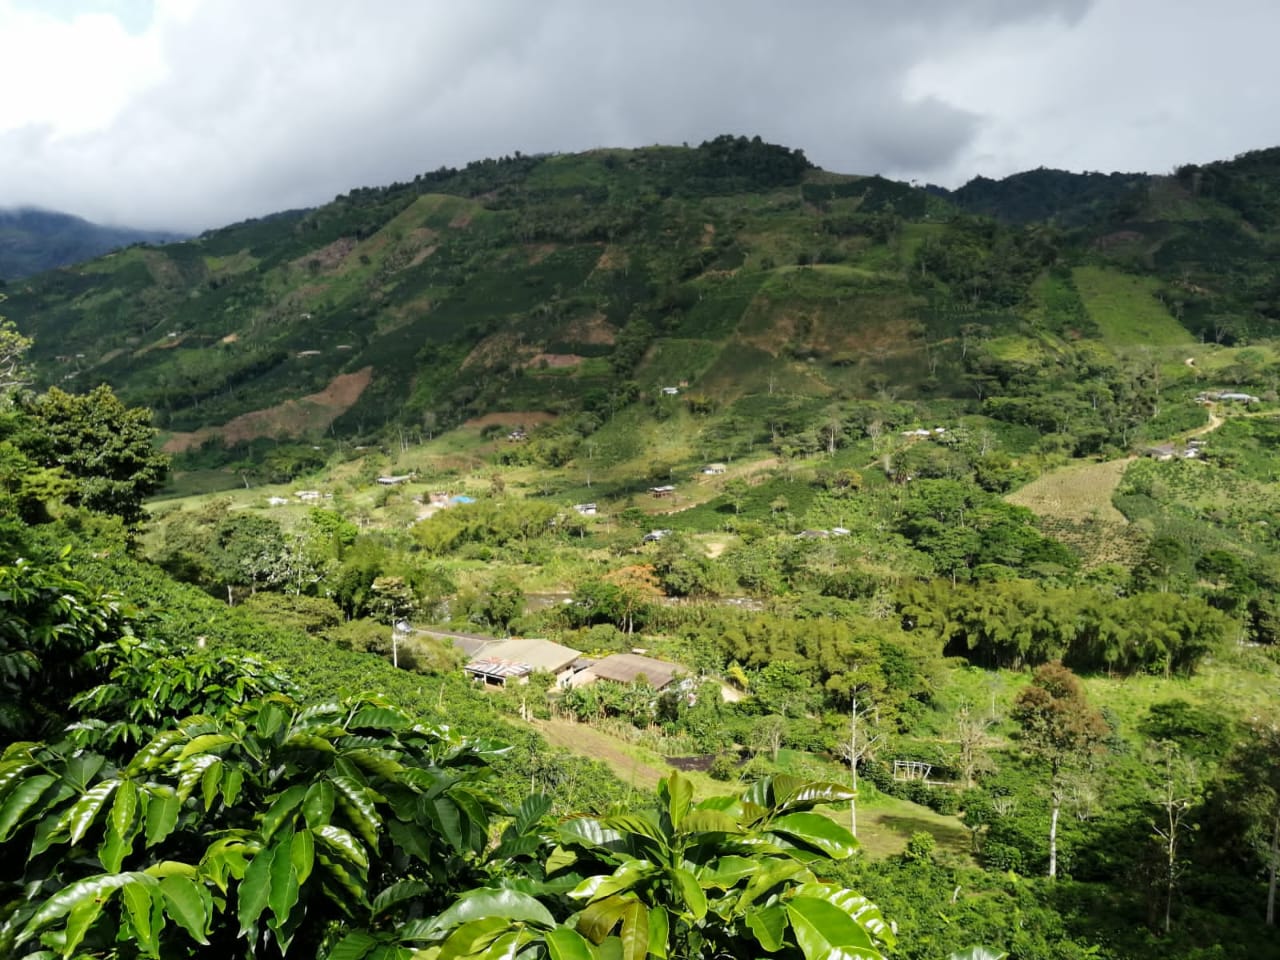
(271, 106)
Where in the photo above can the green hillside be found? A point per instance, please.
(734, 272)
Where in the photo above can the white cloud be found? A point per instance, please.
(220, 109)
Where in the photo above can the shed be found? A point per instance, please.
(714, 469)
(519, 657)
(666, 490)
(628, 668)
(392, 481)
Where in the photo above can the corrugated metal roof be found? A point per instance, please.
(630, 667)
(538, 654)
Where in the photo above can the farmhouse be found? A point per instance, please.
(629, 668)
(670, 391)
(518, 658)
(664, 491)
(585, 509)
(714, 469)
(396, 480)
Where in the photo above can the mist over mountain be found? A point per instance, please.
(33, 240)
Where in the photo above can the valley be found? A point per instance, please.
(964, 498)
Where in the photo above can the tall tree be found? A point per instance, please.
(1062, 729)
(108, 449)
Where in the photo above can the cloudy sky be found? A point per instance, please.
(188, 114)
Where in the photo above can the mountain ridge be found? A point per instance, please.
(581, 282)
(33, 240)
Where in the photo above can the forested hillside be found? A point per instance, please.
(892, 571)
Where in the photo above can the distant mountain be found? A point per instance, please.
(32, 241)
(734, 275)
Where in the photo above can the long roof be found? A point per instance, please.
(630, 667)
(534, 653)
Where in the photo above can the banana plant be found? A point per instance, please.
(724, 877)
(254, 834)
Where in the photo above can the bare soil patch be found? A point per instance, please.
(499, 349)
(594, 329)
(537, 252)
(291, 418)
(328, 257)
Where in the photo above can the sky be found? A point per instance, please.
(191, 114)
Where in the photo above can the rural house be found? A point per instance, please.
(518, 658)
(628, 668)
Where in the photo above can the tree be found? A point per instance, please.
(1062, 729)
(1175, 793)
(108, 449)
(1245, 806)
(13, 352)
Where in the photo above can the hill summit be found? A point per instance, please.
(734, 273)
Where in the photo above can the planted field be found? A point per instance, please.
(1125, 309)
(1076, 492)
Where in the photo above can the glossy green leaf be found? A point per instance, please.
(396, 894)
(635, 931)
(659, 932)
(589, 832)
(530, 812)
(411, 839)
(379, 718)
(448, 818)
(302, 851)
(856, 906)
(187, 903)
(210, 781)
(80, 919)
(342, 842)
(565, 944)
(253, 892)
(232, 782)
(358, 802)
(560, 858)
(485, 902)
(113, 849)
(709, 821)
(124, 808)
(162, 814)
(723, 872)
(473, 937)
(695, 900)
(62, 902)
(768, 925)
(822, 929)
(598, 918)
(83, 812)
(679, 791)
(22, 799)
(284, 888)
(281, 810)
(138, 908)
(79, 771)
(354, 946)
(192, 772)
(154, 753)
(817, 831)
(624, 878)
(317, 805)
(635, 823)
(770, 874)
(205, 743)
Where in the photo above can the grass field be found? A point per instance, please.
(1078, 492)
(1126, 310)
(885, 824)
